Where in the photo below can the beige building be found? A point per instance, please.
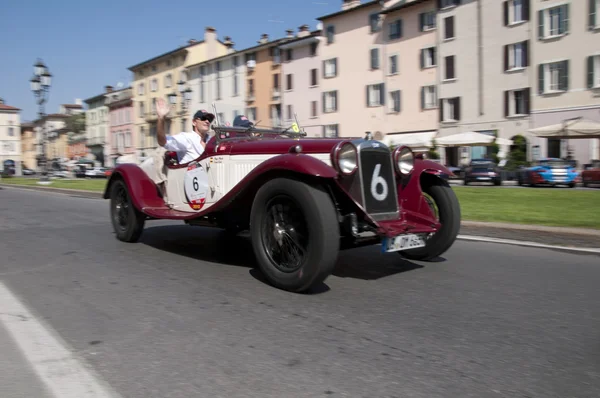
(97, 127)
(163, 75)
(28, 146)
(10, 136)
(565, 73)
(484, 76)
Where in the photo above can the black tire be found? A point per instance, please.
(571, 185)
(308, 220)
(449, 216)
(127, 221)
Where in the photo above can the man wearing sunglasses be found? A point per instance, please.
(189, 145)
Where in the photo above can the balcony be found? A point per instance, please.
(276, 94)
(250, 96)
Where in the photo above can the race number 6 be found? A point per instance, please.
(195, 183)
(376, 182)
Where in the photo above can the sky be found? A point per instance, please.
(90, 44)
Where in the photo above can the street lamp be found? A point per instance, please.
(40, 85)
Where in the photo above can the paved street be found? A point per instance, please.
(184, 314)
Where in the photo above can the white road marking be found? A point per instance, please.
(55, 364)
(528, 244)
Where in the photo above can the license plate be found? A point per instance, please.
(402, 242)
(484, 178)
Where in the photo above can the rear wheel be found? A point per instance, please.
(127, 221)
(295, 234)
(445, 206)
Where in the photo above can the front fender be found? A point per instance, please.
(142, 190)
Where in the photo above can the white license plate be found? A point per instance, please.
(484, 178)
(402, 242)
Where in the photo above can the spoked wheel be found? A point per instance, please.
(445, 207)
(295, 234)
(127, 221)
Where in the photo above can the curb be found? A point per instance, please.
(83, 192)
(475, 224)
(528, 244)
(537, 228)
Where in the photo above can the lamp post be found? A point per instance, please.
(40, 85)
(186, 94)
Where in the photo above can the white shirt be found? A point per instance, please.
(187, 144)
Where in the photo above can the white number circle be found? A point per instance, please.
(376, 182)
(196, 186)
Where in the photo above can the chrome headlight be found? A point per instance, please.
(345, 158)
(404, 160)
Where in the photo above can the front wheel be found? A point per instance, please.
(128, 222)
(295, 234)
(447, 210)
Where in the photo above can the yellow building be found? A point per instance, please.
(163, 75)
(28, 146)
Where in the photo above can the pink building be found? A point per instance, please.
(300, 76)
(379, 70)
(121, 142)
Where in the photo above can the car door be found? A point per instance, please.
(215, 165)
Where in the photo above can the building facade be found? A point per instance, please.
(566, 65)
(484, 73)
(28, 146)
(221, 81)
(301, 76)
(406, 94)
(97, 127)
(44, 129)
(122, 136)
(10, 137)
(163, 75)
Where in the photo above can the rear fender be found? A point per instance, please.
(142, 190)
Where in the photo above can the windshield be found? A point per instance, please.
(555, 164)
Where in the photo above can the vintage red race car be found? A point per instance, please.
(301, 199)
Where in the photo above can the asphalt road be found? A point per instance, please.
(184, 314)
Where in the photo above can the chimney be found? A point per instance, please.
(290, 33)
(303, 31)
(348, 4)
(210, 39)
(108, 89)
(264, 38)
(229, 44)
(192, 41)
(1, 101)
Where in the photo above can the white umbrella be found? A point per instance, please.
(503, 141)
(570, 128)
(466, 139)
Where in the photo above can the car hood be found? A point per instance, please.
(283, 145)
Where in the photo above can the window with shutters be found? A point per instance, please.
(427, 21)
(375, 95)
(313, 78)
(330, 32)
(374, 58)
(594, 10)
(429, 97)
(395, 101)
(516, 56)
(395, 30)
(428, 57)
(374, 22)
(448, 3)
(516, 102)
(450, 73)
(449, 28)
(393, 65)
(330, 101)
(593, 71)
(330, 131)
(289, 112)
(450, 109)
(515, 11)
(330, 68)
(289, 82)
(553, 22)
(313, 109)
(553, 77)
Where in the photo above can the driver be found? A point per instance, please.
(189, 145)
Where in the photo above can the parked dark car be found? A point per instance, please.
(482, 170)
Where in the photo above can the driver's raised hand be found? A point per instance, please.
(162, 108)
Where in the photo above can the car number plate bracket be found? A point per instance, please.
(402, 242)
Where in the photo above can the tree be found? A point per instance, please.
(76, 123)
(518, 153)
(432, 153)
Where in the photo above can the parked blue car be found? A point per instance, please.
(551, 171)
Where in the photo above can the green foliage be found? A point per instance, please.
(432, 153)
(518, 154)
(76, 123)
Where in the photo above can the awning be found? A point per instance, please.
(470, 138)
(570, 128)
(420, 140)
(503, 141)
